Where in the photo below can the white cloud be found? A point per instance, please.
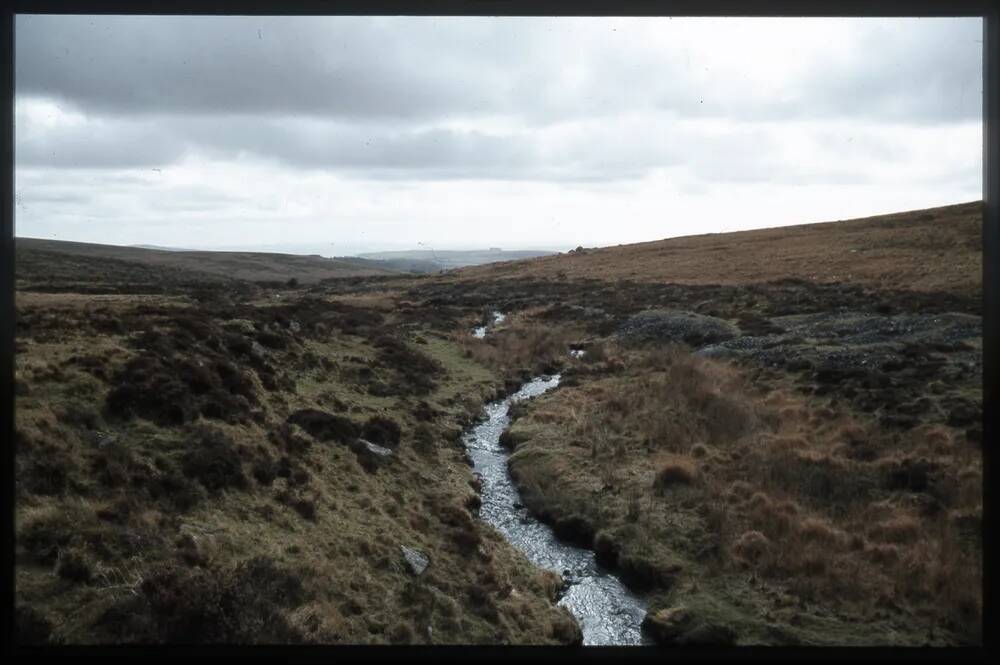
(470, 132)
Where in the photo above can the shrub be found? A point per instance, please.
(80, 414)
(325, 426)
(415, 371)
(31, 626)
(170, 389)
(883, 554)
(47, 476)
(514, 347)
(822, 532)
(237, 605)
(832, 483)
(43, 537)
(425, 412)
(726, 418)
(908, 474)
(265, 470)
(575, 529)
(147, 387)
(182, 493)
(382, 431)
(74, 565)
(606, 549)
(773, 519)
(423, 439)
(900, 529)
(565, 630)
(305, 506)
(214, 461)
(643, 572)
(595, 353)
(752, 547)
(634, 509)
(272, 340)
(401, 633)
(290, 437)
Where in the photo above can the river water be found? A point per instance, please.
(480, 331)
(606, 610)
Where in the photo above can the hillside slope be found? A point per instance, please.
(904, 250)
(219, 462)
(251, 266)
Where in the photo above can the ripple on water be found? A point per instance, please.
(608, 613)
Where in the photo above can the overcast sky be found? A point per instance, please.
(343, 134)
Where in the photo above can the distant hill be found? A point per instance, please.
(448, 259)
(407, 265)
(936, 249)
(164, 249)
(250, 266)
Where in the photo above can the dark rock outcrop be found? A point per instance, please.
(676, 326)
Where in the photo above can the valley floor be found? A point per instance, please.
(772, 461)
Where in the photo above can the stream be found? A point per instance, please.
(608, 613)
(479, 332)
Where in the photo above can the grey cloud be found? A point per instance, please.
(930, 72)
(379, 98)
(99, 145)
(592, 152)
(425, 69)
(924, 72)
(155, 64)
(57, 197)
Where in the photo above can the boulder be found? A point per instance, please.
(257, 351)
(677, 625)
(416, 560)
(666, 626)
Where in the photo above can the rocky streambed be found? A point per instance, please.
(608, 613)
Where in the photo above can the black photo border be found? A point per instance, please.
(989, 11)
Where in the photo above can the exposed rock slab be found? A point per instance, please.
(416, 560)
